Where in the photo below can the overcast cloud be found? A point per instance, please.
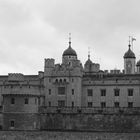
(31, 30)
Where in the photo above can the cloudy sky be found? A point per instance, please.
(31, 30)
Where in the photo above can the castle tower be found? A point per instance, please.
(63, 81)
(21, 101)
(129, 61)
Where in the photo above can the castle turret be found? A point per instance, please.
(49, 66)
(129, 61)
(21, 101)
(69, 54)
(90, 66)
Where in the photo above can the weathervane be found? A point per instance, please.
(131, 39)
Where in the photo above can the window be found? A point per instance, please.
(61, 103)
(39, 101)
(26, 101)
(72, 80)
(130, 92)
(49, 91)
(130, 104)
(103, 92)
(61, 90)
(90, 92)
(103, 104)
(49, 104)
(49, 80)
(72, 91)
(89, 104)
(12, 100)
(117, 104)
(35, 100)
(116, 92)
(12, 123)
(72, 104)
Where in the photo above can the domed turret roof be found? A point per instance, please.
(129, 53)
(69, 51)
(138, 63)
(88, 62)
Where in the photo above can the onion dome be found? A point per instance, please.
(69, 51)
(138, 63)
(129, 53)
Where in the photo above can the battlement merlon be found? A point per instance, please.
(15, 77)
(49, 63)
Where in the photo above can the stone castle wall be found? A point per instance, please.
(23, 121)
(90, 122)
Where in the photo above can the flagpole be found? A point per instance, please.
(132, 39)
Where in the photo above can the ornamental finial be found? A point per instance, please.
(69, 39)
(88, 52)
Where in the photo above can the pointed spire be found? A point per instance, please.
(89, 53)
(69, 40)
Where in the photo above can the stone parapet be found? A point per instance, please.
(94, 110)
(15, 77)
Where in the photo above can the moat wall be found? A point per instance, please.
(90, 122)
(23, 121)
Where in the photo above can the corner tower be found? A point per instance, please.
(129, 61)
(21, 101)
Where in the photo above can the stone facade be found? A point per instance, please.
(70, 96)
(22, 96)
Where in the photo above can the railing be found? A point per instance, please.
(86, 110)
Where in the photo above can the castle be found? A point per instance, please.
(27, 101)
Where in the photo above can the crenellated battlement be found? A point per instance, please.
(15, 77)
(49, 63)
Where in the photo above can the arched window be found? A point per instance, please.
(12, 100)
(35, 100)
(12, 123)
(26, 100)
